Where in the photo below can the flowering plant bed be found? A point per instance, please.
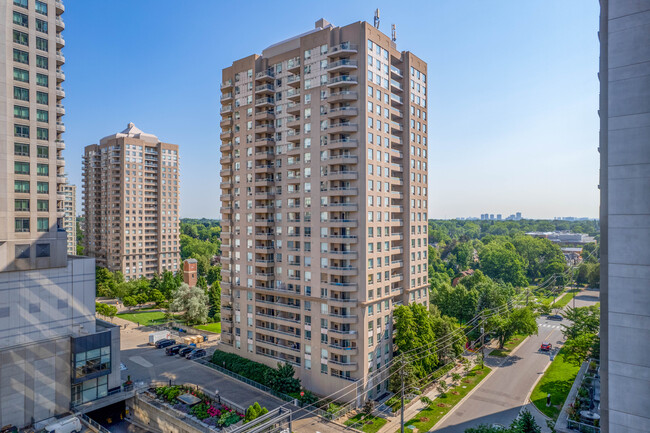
(207, 410)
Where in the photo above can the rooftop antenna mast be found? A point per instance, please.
(377, 18)
(394, 35)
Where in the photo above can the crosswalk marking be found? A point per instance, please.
(546, 325)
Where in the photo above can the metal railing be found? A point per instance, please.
(582, 427)
(92, 423)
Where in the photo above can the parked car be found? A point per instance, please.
(196, 353)
(65, 425)
(164, 343)
(555, 317)
(546, 346)
(173, 350)
(185, 350)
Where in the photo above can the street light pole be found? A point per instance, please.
(482, 341)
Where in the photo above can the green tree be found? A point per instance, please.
(518, 321)
(500, 261)
(282, 379)
(106, 310)
(525, 423)
(576, 350)
(193, 301)
(213, 274)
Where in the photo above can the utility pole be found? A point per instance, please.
(482, 341)
(402, 405)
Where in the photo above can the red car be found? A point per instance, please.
(546, 346)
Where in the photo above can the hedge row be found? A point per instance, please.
(244, 367)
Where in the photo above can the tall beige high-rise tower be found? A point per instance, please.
(32, 169)
(131, 182)
(70, 216)
(54, 354)
(324, 204)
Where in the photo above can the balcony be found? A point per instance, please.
(60, 42)
(60, 76)
(343, 80)
(343, 223)
(340, 255)
(226, 109)
(226, 96)
(293, 95)
(293, 64)
(60, 8)
(266, 168)
(293, 108)
(345, 95)
(349, 271)
(341, 175)
(226, 147)
(343, 318)
(345, 48)
(264, 89)
(60, 25)
(60, 93)
(264, 155)
(343, 64)
(341, 207)
(226, 85)
(225, 134)
(342, 159)
(266, 75)
(343, 143)
(60, 127)
(265, 115)
(337, 112)
(342, 350)
(60, 110)
(60, 144)
(264, 102)
(293, 80)
(293, 122)
(60, 162)
(264, 128)
(342, 127)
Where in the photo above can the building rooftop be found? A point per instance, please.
(132, 131)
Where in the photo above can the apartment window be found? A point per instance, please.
(21, 19)
(42, 116)
(41, 62)
(21, 205)
(21, 3)
(21, 186)
(43, 225)
(21, 167)
(41, 44)
(21, 75)
(41, 26)
(307, 54)
(21, 56)
(21, 149)
(43, 205)
(42, 98)
(42, 133)
(42, 80)
(22, 225)
(41, 7)
(22, 251)
(21, 38)
(42, 152)
(21, 131)
(21, 112)
(42, 169)
(43, 187)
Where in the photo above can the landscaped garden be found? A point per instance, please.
(366, 423)
(557, 381)
(206, 410)
(449, 397)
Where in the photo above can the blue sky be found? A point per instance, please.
(513, 89)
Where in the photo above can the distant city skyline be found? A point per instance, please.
(513, 94)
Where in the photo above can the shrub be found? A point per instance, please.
(242, 366)
(254, 411)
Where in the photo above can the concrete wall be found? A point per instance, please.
(625, 214)
(47, 303)
(34, 381)
(156, 419)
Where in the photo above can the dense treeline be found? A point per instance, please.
(446, 230)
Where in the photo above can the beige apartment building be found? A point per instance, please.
(130, 201)
(324, 203)
(54, 354)
(70, 216)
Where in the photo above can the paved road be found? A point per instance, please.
(500, 398)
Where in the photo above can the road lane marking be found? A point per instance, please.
(141, 361)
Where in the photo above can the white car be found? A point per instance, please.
(64, 425)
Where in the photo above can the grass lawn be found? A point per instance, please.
(566, 298)
(509, 346)
(557, 381)
(427, 418)
(147, 318)
(370, 424)
(211, 327)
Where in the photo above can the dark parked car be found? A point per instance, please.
(555, 317)
(196, 353)
(546, 346)
(173, 350)
(185, 350)
(164, 343)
